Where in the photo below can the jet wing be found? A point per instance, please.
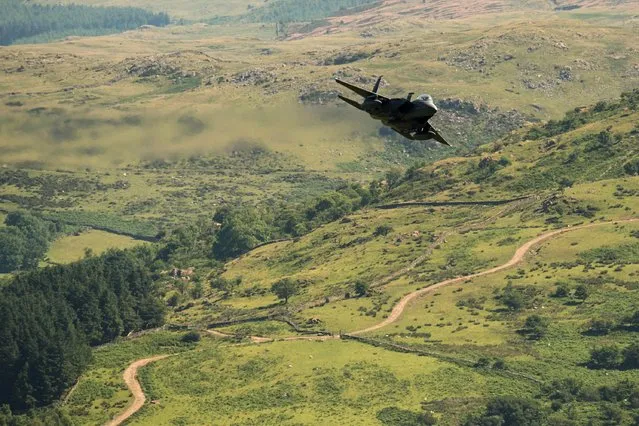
(351, 102)
(439, 138)
(414, 136)
(362, 92)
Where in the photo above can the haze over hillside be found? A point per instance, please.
(194, 229)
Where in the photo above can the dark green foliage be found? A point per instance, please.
(563, 391)
(611, 414)
(633, 319)
(187, 242)
(394, 416)
(284, 289)
(301, 10)
(21, 20)
(600, 327)
(227, 286)
(242, 229)
(40, 417)
(329, 207)
(602, 141)
(135, 228)
(632, 167)
(606, 357)
(382, 230)
(50, 317)
(562, 290)
(191, 337)
(483, 362)
(485, 168)
(12, 249)
(300, 219)
(197, 291)
(631, 356)
(581, 292)
(393, 178)
(509, 411)
(24, 242)
(535, 327)
(361, 288)
(517, 298)
(624, 254)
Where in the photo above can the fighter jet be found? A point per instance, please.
(406, 116)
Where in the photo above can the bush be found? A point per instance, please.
(394, 416)
(517, 298)
(605, 357)
(383, 230)
(361, 288)
(562, 291)
(631, 356)
(191, 337)
(535, 327)
(509, 411)
(600, 326)
(581, 292)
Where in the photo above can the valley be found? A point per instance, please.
(195, 230)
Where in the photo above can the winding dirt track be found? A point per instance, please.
(131, 372)
(517, 258)
(131, 380)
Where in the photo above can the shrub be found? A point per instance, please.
(509, 411)
(600, 326)
(604, 357)
(562, 291)
(535, 327)
(631, 356)
(581, 292)
(191, 337)
(383, 230)
(361, 288)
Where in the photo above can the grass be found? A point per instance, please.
(133, 153)
(234, 109)
(292, 383)
(101, 393)
(71, 248)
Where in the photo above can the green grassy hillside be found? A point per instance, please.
(328, 270)
(528, 331)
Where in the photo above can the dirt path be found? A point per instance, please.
(259, 339)
(131, 380)
(131, 372)
(517, 258)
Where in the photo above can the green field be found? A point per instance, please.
(222, 131)
(71, 248)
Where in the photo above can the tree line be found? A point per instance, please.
(24, 241)
(235, 230)
(20, 20)
(51, 317)
(302, 10)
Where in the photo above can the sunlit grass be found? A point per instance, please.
(71, 248)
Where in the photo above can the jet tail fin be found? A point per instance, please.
(377, 83)
(363, 92)
(351, 102)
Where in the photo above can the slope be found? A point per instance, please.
(476, 338)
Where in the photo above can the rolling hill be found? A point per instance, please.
(461, 342)
(302, 264)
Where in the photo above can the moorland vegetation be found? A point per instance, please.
(26, 22)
